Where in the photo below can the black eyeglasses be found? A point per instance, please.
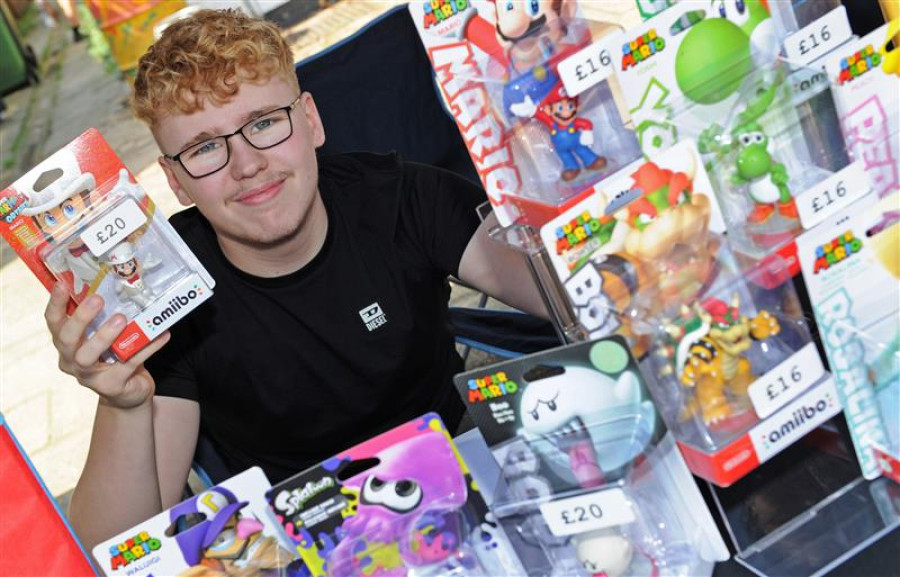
(266, 131)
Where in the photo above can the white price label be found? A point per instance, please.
(589, 66)
(113, 227)
(819, 38)
(782, 384)
(832, 195)
(598, 510)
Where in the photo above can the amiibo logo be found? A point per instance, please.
(838, 250)
(175, 304)
(11, 206)
(855, 66)
(373, 317)
(582, 228)
(802, 414)
(125, 553)
(641, 48)
(437, 11)
(291, 502)
(491, 387)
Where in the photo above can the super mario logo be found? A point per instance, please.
(641, 48)
(437, 11)
(491, 387)
(860, 63)
(579, 230)
(137, 547)
(838, 250)
(11, 206)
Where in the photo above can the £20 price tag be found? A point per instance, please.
(113, 227)
(832, 195)
(597, 510)
(782, 384)
(819, 38)
(589, 66)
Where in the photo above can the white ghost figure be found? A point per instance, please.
(595, 311)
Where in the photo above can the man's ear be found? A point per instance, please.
(176, 187)
(311, 113)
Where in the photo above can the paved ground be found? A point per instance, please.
(48, 411)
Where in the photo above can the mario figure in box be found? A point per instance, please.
(127, 270)
(571, 136)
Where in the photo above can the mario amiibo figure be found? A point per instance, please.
(127, 270)
(571, 135)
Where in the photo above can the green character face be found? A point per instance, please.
(753, 160)
(712, 60)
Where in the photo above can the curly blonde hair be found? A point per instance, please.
(206, 57)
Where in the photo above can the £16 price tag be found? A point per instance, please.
(818, 38)
(589, 66)
(113, 227)
(832, 195)
(597, 510)
(782, 384)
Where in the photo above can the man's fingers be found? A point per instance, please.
(138, 359)
(88, 354)
(55, 313)
(72, 331)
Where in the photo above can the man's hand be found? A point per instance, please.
(120, 385)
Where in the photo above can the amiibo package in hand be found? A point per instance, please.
(79, 218)
(530, 85)
(226, 530)
(400, 504)
(589, 477)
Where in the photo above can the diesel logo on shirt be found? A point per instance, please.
(373, 316)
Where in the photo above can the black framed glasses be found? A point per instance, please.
(266, 131)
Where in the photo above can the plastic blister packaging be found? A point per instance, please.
(79, 218)
(400, 504)
(735, 373)
(530, 87)
(588, 485)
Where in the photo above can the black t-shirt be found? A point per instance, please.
(291, 370)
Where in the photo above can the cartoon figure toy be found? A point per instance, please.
(571, 136)
(408, 514)
(127, 270)
(708, 355)
(57, 199)
(227, 544)
(766, 179)
(599, 423)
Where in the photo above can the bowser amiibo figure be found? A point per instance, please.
(127, 270)
(709, 354)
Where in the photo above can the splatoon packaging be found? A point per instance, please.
(400, 504)
(78, 217)
(851, 265)
(866, 77)
(588, 474)
(646, 226)
(225, 530)
(531, 86)
(767, 129)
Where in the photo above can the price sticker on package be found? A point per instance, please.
(589, 66)
(113, 227)
(782, 384)
(832, 195)
(597, 510)
(819, 38)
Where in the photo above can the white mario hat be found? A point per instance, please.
(122, 252)
(53, 181)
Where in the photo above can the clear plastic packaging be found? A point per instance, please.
(79, 218)
(589, 483)
(530, 87)
(400, 504)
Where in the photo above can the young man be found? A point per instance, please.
(329, 319)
